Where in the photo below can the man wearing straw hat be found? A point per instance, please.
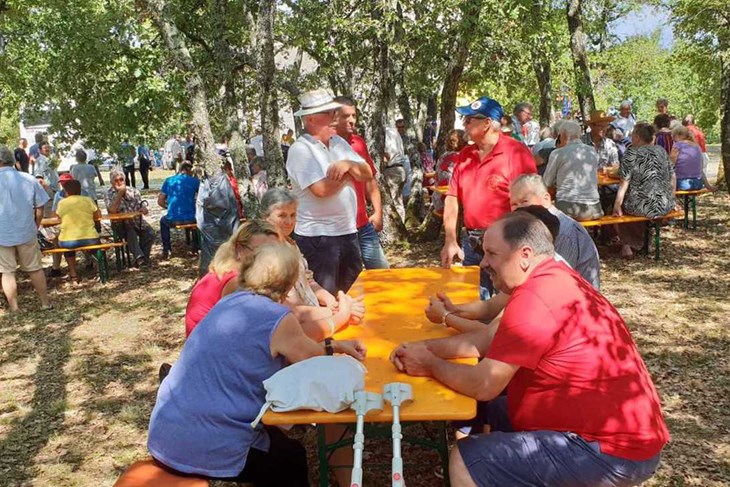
(606, 148)
(322, 167)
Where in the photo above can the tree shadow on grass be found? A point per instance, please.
(28, 436)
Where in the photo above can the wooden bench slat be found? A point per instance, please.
(692, 192)
(185, 226)
(616, 220)
(102, 246)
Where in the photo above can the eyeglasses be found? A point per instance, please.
(469, 119)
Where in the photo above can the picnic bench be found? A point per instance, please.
(99, 253)
(395, 300)
(690, 198)
(651, 223)
(191, 231)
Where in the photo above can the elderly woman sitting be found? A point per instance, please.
(647, 186)
(572, 174)
(687, 159)
(201, 423)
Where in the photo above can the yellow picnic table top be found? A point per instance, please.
(607, 180)
(395, 300)
(113, 217)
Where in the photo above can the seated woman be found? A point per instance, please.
(687, 159)
(201, 422)
(455, 141)
(312, 303)
(647, 186)
(78, 228)
(221, 279)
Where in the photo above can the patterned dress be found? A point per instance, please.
(649, 172)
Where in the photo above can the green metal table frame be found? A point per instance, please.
(381, 431)
(690, 199)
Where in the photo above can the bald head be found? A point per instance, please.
(529, 189)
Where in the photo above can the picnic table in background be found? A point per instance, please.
(607, 179)
(395, 300)
(121, 254)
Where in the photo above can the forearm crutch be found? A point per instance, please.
(396, 393)
(364, 403)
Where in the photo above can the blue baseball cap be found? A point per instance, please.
(485, 107)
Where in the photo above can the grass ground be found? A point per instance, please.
(77, 384)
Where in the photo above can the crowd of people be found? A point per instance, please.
(560, 381)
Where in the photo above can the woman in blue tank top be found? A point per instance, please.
(201, 423)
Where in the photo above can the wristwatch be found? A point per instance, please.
(328, 349)
(443, 318)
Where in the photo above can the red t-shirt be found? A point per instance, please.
(699, 137)
(205, 295)
(360, 147)
(580, 370)
(482, 187)
(236, 194)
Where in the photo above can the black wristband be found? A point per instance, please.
(328, 346)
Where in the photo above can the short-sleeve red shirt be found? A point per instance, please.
(205, 295)
(360, 147)
(699, 137)
(482, 187)
(580, 370)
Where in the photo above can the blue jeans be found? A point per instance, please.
(373, 256)
(471, 257)
(544, 457)
(689, 184)
(165, 225)
(73, 244)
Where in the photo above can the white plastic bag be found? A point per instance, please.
(319, 384)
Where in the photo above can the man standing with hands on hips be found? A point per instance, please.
(322, 167)
(480, 184)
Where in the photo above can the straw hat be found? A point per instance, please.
(598, 116)
(316, 101)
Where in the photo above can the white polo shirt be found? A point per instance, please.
(307, 163)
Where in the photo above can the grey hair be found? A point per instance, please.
(273, 198)
(625, 103)
(6, 156)
(114, 173)
(674, 124)
(522, 106)
(496, 124)
(534, 182)
(571, 129)
(522, 229)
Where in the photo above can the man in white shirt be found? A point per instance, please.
(626, 120)
(257, 141)
(21, 210)
(173, 153)
(322, 167)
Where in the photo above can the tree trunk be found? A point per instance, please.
(205, 152)
(583, 83)
(725, 110)
(470, 19)
(393, 227)
(541, 55)
(268, 102)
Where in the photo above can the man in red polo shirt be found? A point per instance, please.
(481, 182)
(373, 256)
(581, 408)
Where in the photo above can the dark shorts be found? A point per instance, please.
(527, 458)
(335, 262)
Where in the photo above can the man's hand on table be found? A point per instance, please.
(353, 348)
(438, 306)
(448, 252)
(413, 358)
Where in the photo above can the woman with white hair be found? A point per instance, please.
(572, 174)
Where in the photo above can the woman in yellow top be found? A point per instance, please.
(77, 214)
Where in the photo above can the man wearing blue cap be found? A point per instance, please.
(480, 184)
